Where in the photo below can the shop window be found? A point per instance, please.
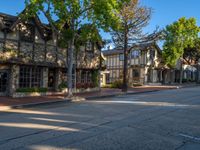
(83, 76)
(30, 77)
(89, 77)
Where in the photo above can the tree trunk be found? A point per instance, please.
(70, 62)
(125, 68)
(181, 73)
(70, 68)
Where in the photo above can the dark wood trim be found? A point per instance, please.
(4, 40)
(45, 50)
(19, 42)
(56, 48)
(33, 51)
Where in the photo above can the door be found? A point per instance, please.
(51, 79)
(3, 83)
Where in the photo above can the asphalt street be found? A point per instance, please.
(164, 120)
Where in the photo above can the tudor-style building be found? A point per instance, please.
(31, 58)
(144, 65)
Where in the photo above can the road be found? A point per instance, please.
(165, 120)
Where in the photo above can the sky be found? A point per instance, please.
(164, 11)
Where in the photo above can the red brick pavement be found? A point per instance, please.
(8, 101)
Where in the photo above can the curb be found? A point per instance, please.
(120, 94)
(3, 108)
(29, 105)
(33, 104)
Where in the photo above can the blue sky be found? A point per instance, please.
(164, 11)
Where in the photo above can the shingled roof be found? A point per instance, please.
(9, 22)
(118, 50)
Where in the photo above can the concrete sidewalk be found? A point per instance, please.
(10, 103)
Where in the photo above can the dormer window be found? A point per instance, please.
(27, 33)
(135, 54)
(152, 54)
(89, 46)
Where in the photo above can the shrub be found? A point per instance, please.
(106, 86)
(85, 85)
(30, 90)
(62, 86)
(117, 84)
(95, 79)
(137, 84)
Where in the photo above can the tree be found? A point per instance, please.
(191, 56)
(75, 13)
(192, 53)
(133, 18)
(179, 36)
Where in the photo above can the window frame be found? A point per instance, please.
(121, 57)
(30, 77)
(152, 54)
(135, 54)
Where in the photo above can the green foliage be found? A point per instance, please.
(31, 90)
(95, 79)
(75, 14)
(62, 85)
(137, 84)
(192, 53)
(178, 36)
(117, 84)
(100, 12)
(107, 86)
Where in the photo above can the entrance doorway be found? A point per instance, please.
(51, 79)
(3, 82)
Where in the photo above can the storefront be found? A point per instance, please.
(4, 76)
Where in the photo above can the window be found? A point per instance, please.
(135, 73)
(3, 81)
(86, 77)
(89, 47)
(89, 77)
(121, 57)
(135, 54)
(83, 76)
(152, 54)
(30, 77)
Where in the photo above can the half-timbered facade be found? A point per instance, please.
(31, 58)
(144, 64)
